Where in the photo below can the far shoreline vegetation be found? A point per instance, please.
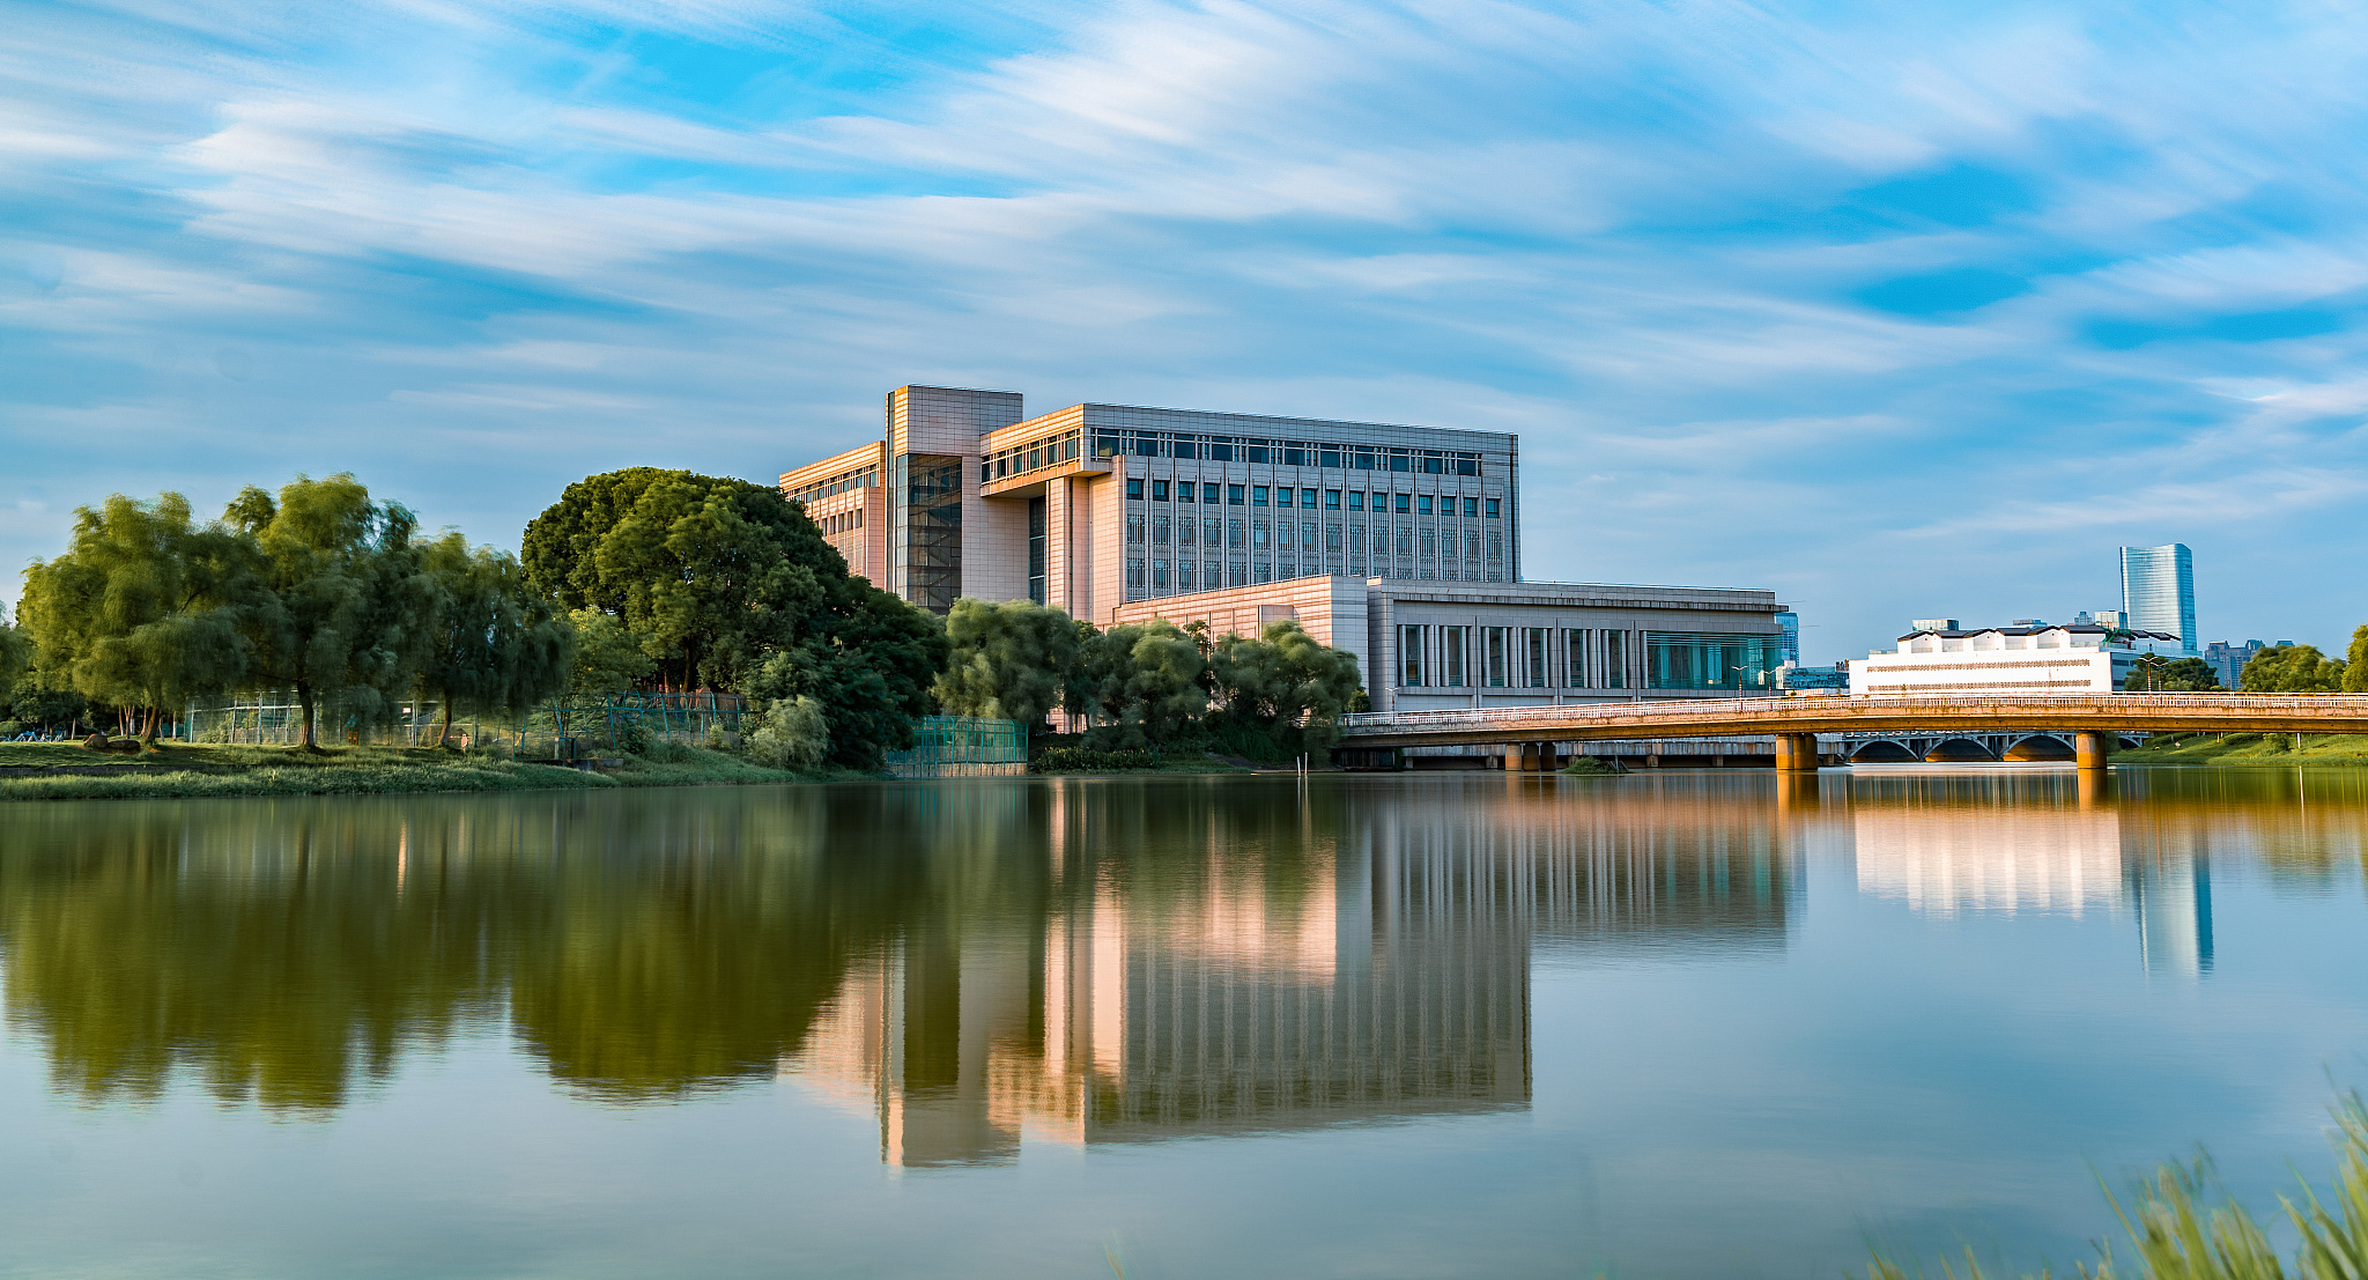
(636, 582)
(647, 581)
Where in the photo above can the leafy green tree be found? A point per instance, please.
(2179, 675)
(1144, 681)
(1010, 661)
(794, 735)
(16, 653)
(1286, 679)
(2293, 668)
(353, 606)
(711, 574)
(494, 645)
(870, 662)
(608, 658)
(145, 610)
(2355, 671)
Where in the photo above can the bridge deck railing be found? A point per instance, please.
(1775, 710)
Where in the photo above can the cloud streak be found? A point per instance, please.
(1878, 308)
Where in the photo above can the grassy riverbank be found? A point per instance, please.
(2250, 749)
(182, 770)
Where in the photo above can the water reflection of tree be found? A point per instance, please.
(146, 940)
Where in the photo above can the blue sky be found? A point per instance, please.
(1902, 310)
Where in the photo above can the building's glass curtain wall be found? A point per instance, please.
(928, 556)
(2158, 591)
(1703, 660)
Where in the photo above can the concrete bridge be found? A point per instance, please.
(2091, 721)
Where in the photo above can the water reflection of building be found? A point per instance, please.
(1370, 965)
(2009, 843)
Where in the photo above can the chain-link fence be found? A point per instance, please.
(962, 746)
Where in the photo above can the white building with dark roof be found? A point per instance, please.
(2076, 658)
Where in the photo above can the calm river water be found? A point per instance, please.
(1676, 1025)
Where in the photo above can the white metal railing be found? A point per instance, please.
(1776, 710)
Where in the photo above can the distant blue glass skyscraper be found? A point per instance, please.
(2158, 591)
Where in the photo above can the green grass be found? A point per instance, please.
(2249, 749)
(2182, 1226)
(183, 770)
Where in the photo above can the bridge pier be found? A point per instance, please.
(2092, 750)
(1796, 753)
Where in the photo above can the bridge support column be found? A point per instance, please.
(1796, 753)
(2092, 750)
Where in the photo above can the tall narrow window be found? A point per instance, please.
(1497, 658)
(1134, 530)
(1035, 549)
(1184, 531)
(1234, 533)
(1159, 575)
(1212, 531)
(1574, 660)
(1184, 575)
(1534, 640)
(1410, 644)
(1159, 531)
(1615, 660)
(1451, 656)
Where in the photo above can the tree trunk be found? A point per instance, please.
(304, 698)
(148, 733)
(444, 735)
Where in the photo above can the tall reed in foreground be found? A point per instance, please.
(2183, 1226)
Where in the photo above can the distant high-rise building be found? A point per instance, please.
(2158, 591)
(2228, 658)
(1791, 641)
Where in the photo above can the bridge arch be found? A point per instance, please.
(2040, 746)
(1883, 751)
(1958, 751)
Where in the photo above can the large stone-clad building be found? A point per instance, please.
(1399, 543)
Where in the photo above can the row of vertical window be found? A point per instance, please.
(1151, 577)
(1426, 541)
(862, 478)
(1288, 453)
(1257, 495)
(844, 522)
(1032, 456)
(1459, 657)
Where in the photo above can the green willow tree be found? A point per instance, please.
(1010, 661)
(494, 647)
(1287, 683)
(352, 606)
(146, 609)
(1143, 682)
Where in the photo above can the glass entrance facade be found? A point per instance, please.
(1708, 660)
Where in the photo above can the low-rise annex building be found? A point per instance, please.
(1401, 544)
(2075, 658)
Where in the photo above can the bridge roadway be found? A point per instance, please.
(1795, 720)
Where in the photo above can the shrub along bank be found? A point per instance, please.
(39, 771)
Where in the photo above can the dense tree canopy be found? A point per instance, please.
(1286, 677)
(712, 575)
(1149, 684)
(1144, 682)
(1009, 661)
(2295, 668)
(147, 609)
